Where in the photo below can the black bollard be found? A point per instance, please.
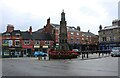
(87, 54)
(102, 53)
(82, 56)
(99, 53)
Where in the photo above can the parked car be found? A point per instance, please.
(76, 50)
(115, 51)
(40, 53)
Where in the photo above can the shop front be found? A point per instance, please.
(15, 52)
(36, 48)
(45, 48)
(5, 49)
(27, 51)
(108, 46)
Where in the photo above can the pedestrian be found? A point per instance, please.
(39, 57)
(48, 56)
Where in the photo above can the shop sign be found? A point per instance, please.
(45, 46)
(36, 46)
(27, 46)
(4, 44)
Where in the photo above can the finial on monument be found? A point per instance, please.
(63, 10)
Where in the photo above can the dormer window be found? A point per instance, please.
(17, 35)
(7, 35)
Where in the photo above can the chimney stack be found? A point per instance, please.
(10, 28)
(30, 30)
(48, 20)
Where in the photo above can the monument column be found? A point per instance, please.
(63, 33)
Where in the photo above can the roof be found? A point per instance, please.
(12, 33)
(26, 35)
(16, 31)
(69, 28)
(34, 36)
(55, 25)
(88, 34)
(39, 30)
(41, 36)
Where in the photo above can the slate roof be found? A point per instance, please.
(16, 32)
(12, 33)
(69, 28)
(26, 35)
(41, 36)
(39, 30)
(36, 36)
(88, 34)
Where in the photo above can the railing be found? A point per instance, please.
(87, 52)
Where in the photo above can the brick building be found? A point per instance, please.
(24, 43)
(75, 37)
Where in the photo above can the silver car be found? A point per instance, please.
(115, 51)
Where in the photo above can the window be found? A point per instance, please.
(77, 39)
(72, 33)
(7, 35)
(83, 34)
(5, 41)
(47, 42)
(77, 33)
(87, 38)
(82, 38)
(26, 42)
(37, 42)
(17, 43)
(103, 38)
(17, 35)
(72, 39)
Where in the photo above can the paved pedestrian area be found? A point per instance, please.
(103, 66)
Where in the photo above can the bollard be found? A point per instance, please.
(87, 54)
(102, 53)
(99, 53)
(82, 56)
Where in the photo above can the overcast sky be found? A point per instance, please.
(88, 14)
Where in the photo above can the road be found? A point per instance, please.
(106, 66)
